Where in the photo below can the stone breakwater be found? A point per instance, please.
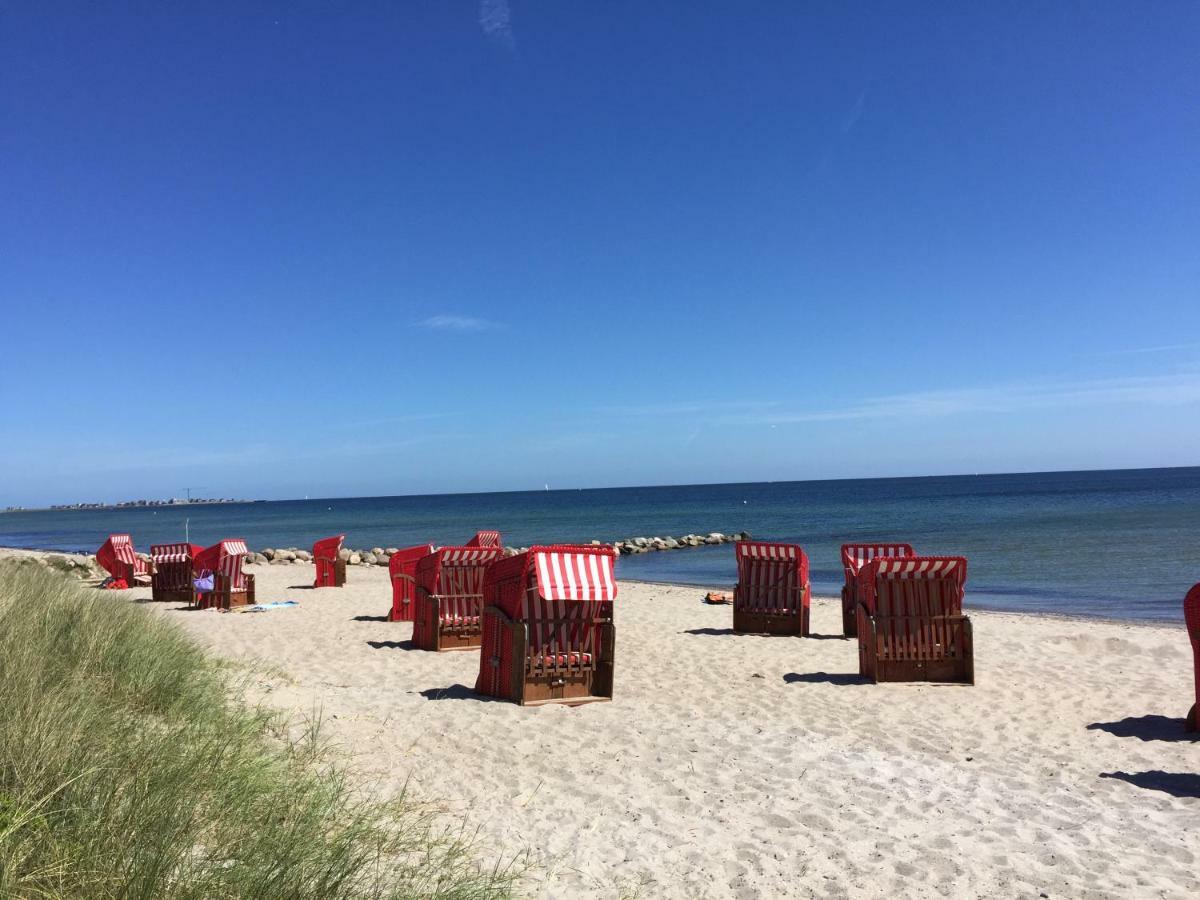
(380, 556)
(86, 567)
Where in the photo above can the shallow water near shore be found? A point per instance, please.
(1117, 544)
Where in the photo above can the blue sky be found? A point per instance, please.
(282, 249)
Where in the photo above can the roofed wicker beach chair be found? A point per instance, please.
(548, 633)
(231, 586)
(173, 575)
(853, 558)
(331, 568)
(911, 625)
(403, 570)
(1191, 616)
(485, 539)
(450, 597)
(118, 558)
(772, 595)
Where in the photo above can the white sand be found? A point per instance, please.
(744, 766)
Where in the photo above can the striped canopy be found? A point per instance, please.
(485, 539)
(578, 574)
(328, 548)
(854, 555)
(173, 553)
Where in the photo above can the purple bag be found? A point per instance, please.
(203, 584)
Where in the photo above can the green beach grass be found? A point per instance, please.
(129, 767)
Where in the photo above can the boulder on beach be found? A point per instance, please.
(344, 555)
(354, 559)
(303, 556)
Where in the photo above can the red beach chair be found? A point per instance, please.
(450, 597)
(116, 555)
(331, 568)
(403, 568)
(1191, 616)
(171, 580)
(772, 595)
(853, 558)
(548, 632)
(231, 586)
(485, 539)
(910, 621)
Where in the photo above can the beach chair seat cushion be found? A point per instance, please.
(459, 620)
(563, 659)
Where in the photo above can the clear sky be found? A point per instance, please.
(277, 249)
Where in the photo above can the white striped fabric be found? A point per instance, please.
(771, 577)
(567, 589)
(918, 567)
(575, 576)
(762, 550)
(460, 579)
(855, 555)
(485, 539)
(171, 553)
(122, 545)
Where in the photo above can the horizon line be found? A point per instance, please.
(627, 487)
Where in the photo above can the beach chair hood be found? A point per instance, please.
(855, 556)
(116, 553)
(225, 557)
(328, 548)
(485, 539)
(951, 569)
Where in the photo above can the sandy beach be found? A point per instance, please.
(742, 766)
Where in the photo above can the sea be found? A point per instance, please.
(1114, 544)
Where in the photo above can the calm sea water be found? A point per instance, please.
(1122, 544)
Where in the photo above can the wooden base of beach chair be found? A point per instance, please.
(176, 595)
(221, 597)
(747, 621)
(529, 685)
(431, 633)
(171, 582)
(917, 655)
(330, 574)
(849, 613)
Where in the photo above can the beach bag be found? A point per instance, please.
(203, 584)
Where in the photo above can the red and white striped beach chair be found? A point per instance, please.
(911, 625)
(331, 568)
(403, 569)
(173, 575)
(772, 595)
(853, 558)
(231, 586)
(450, 597)
(485, 539)
(548, 633)
(1191, 617)
(118, 558)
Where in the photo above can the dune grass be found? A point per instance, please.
(129, 768)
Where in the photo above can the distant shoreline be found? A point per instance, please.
(127, 504)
